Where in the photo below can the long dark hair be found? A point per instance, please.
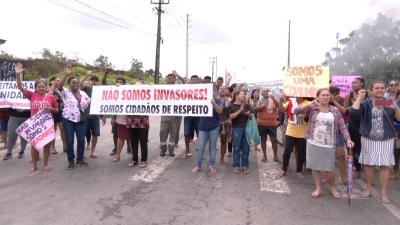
(252, 93)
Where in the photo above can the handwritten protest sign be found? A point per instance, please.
(305, 81)
(171, 100)
(11, 97)
(343, 83)
(38, 130)
(7, 71)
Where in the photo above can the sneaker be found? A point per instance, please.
(20, 155)
(113, 152)
(7, 156)
(81, 163)
(71, 165)
(196, 170)
(171, 153)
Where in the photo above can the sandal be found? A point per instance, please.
(281, 174)
(116, 159)
(316, 194)
(246, 170)
(301, 176)
(385, 200)
(366, 194)
(277, 160)
(264, 159)
(335, 194)
(143, 164)
(212, 170)
(236, 170)
(132, 164)
(93, 156)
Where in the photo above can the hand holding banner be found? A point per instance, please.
(305, 81)
(38, 130)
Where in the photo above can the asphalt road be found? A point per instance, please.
(166, 192)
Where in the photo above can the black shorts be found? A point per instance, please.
(265, 131)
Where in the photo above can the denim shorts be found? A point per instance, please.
(191, 124)
(93, 125)
(58, 118)
(265, 131)
(3, 125)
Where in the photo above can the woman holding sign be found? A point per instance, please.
(377, 135)
(39, 100)
(76, 103)
(324, 124)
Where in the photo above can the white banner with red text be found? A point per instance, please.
(153, 100)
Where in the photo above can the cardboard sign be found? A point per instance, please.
(7, 71)
(305, 81)
(343, 83)
(38, 130)
(154, 100)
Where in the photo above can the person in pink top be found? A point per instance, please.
(39, 100)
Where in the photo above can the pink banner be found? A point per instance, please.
(38, 130)
(343, 82)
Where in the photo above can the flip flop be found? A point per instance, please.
(316, 195)
(93, 156)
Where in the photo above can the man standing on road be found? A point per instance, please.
(93, 122)
(168, 127)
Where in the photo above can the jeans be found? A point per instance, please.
(240, 147)
(70, 129)
(205, 137)
(139, 135)
(13, 124)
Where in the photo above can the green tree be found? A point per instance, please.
(102, 62)
(372, 51)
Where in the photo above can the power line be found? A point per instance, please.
(129, 27)
(88, 15)
(101, 12)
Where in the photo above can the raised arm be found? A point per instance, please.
(84, 78)
(106, 73)
(68, 73)
(18, 72)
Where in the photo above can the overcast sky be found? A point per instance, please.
(248, 37)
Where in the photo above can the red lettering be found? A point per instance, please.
(190, 94)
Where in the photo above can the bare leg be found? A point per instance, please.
(369, 175)
(332, 186)
(223, 147)
(35, 156)
(46, 155)
(274, 143)
(317, 181)
(340, 154)
(264, 147)
(187, 143)
(384, 180)
(93, 143)
(120, 146)
(62, 135)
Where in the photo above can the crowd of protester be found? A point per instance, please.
(321, 130)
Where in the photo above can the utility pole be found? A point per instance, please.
(187, 46)
(159, 12)
(288, 59)
(337, 44)
(216, 68)
(213, 62)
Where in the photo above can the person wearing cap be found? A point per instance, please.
(93, 121)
